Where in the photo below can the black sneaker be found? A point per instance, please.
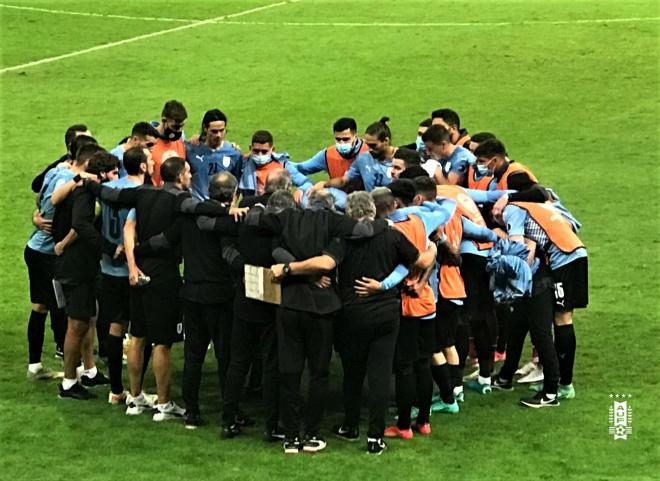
(230, 431)
(347, 433)
(274, 435)
(98, 380)
(193, 420)
(242, 420)
(292, 446)
(376, 446)
(501, 384)
(540, 400)
(76, 392)
(313, 444)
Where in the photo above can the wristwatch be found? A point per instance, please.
(286, 270)
(77, 178)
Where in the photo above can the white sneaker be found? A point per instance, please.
(117, 398)
(151, 399)
(526, 369)
(168, 411)
(137, 405)
(43, 373)
(536, 375)
(472, 376)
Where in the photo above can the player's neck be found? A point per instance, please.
(216, 147)
(138, 179)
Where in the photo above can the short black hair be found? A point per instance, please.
(213, 115)
(172, 168)
(413, 172)
(410, 157)
(222, 187)
(142, 129)
(426, 186)
(133, 158)
(173, 109)
(78, 142)
(436, 134)
(404, 190)
(450, 117)
(345, 123)
(480, 137)
(426, 122)
(86, 152)
(71, 133)
(102, 161)
(380, 129)
(262, 137)
(490, 148)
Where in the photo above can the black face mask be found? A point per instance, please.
(171, 135)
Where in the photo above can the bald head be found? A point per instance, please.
(222, 187)
(278, 180)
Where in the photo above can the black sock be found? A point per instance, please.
(442, 378)
(58, 323)
(565, 345)
(114, 350)
(456, 375)
(35, 335)
(147, 355)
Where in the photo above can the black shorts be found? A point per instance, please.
(41, 269)
(80, 300)
(479, 303)
(415, 339)
(571, 289)
(155, 312)
(447, 317)
(114, 300)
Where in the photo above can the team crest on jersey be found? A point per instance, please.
(226, 161)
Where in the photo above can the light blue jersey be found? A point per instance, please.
(119, 153)
(372, 172)
(457, 162)
(55, 178)
(112, 228)
(519, 222)
(205, 162)
(475, 232)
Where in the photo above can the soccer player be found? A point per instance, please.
(170, 143)
(418, 144)
(374, 168)
(568, 265)
(70, 134)
(546, 233)
(336, 159)
(143, 135)
(77, 269)
(478, 176)
(453, 159)
(261, 162)
(404, 159)
(450, 120)
(213, 155)
(114, 302)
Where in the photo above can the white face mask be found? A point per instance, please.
(483, 170)
(261, 159)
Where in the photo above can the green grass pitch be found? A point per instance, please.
(574, 99)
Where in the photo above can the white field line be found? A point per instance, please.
(141, 37)
(98, 15)
(448, 24)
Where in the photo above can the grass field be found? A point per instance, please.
(574, 97)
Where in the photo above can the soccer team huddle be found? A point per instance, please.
(410, 262)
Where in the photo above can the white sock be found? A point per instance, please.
(90, 372)
(550, 396)
(458, 390)
(484, 380)
(68, 383)
(35, 368)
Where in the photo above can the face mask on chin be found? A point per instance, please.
(171, 135)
